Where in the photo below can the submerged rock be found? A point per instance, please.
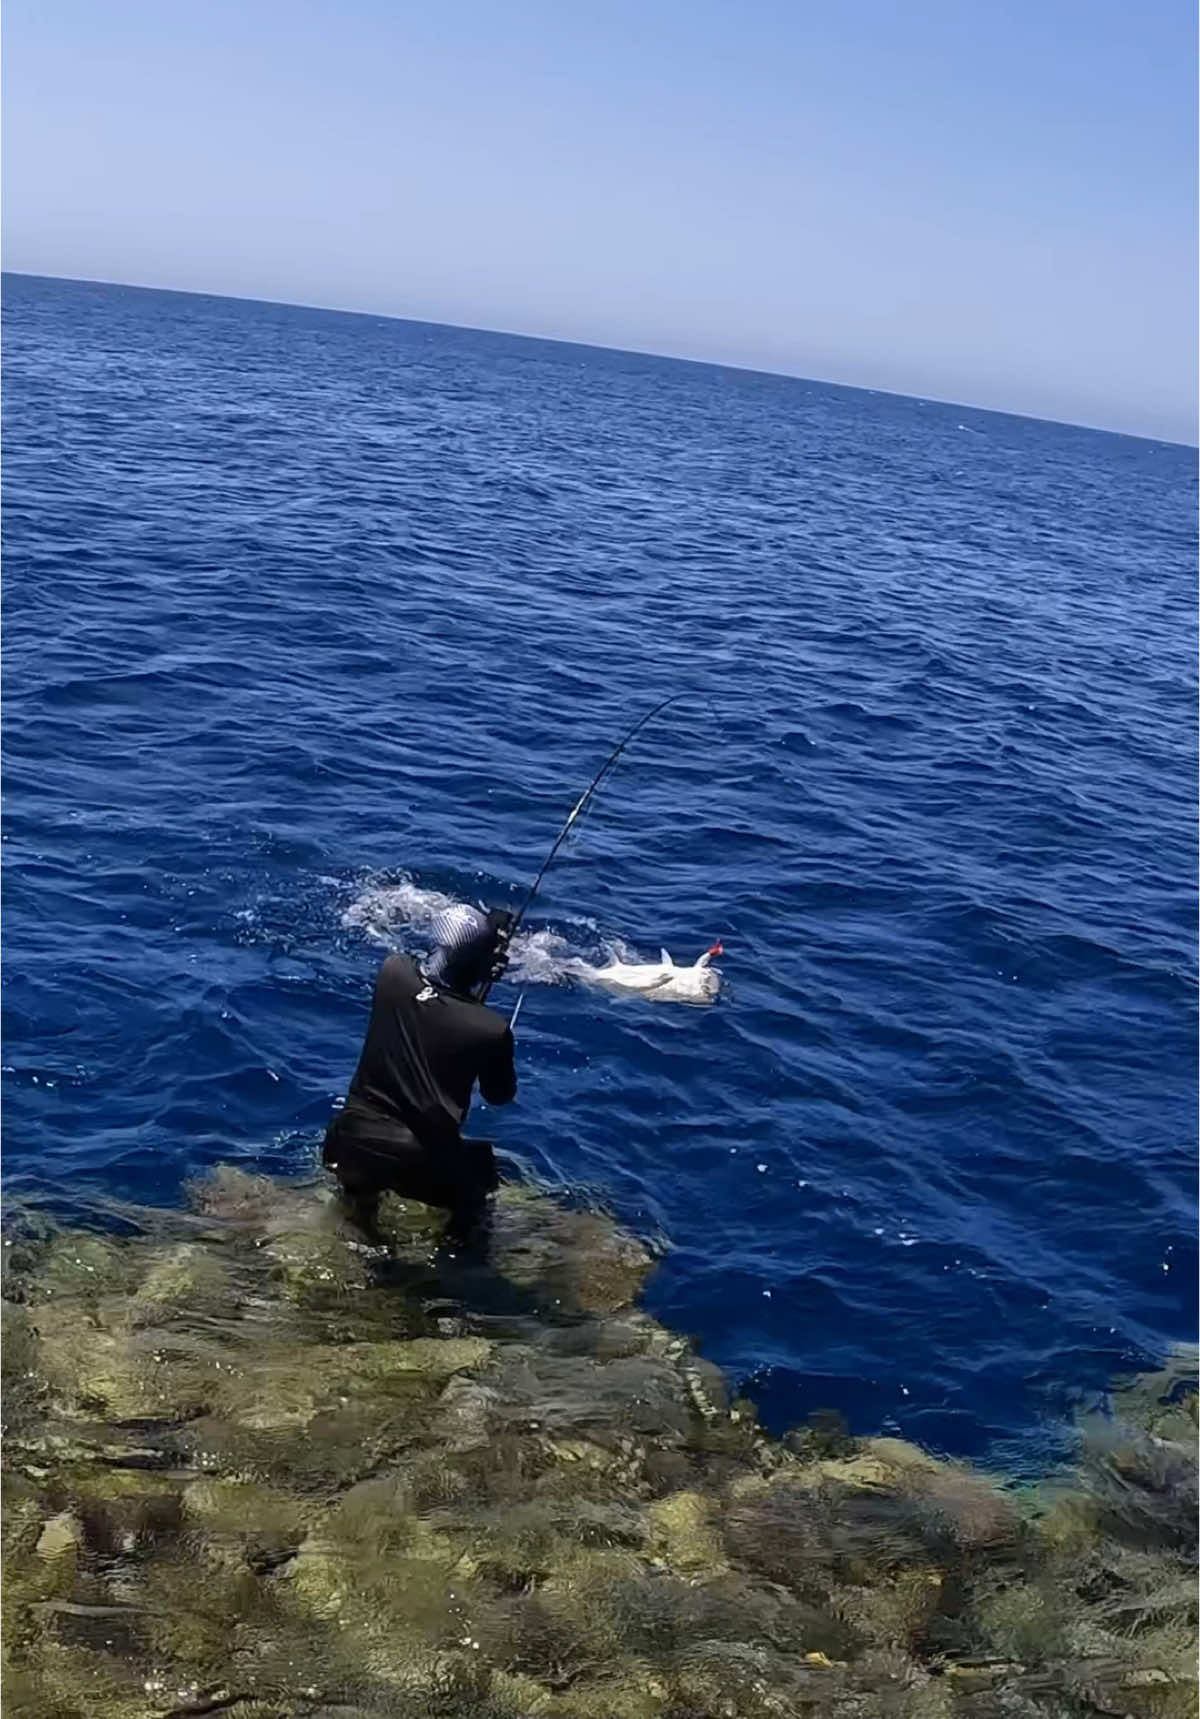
(257, 1466)
(573, 1262)
(60, 1535)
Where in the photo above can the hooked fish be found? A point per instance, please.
(660, 981)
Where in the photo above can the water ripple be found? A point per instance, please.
(305, 611)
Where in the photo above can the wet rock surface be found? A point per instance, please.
(254, 1466)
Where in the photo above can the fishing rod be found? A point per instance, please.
(580, 803)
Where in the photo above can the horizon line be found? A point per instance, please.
(627, 351)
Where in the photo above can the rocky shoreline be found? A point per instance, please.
(254, 1467)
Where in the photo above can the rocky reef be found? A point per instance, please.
(256, 1467)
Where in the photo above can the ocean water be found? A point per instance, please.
(313, 619)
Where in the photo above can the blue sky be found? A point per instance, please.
(991, 201)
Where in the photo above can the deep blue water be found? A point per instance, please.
(299, 605)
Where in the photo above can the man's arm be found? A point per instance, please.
(498, 1076)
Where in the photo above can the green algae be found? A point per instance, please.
(256, 1466)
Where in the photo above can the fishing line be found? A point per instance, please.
(576, 809)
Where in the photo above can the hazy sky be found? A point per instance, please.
(987, 200)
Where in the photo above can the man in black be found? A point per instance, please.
(427, 1043)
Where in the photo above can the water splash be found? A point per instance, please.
(398, 914)
(383, 911)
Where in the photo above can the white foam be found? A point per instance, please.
(385, 910)
(541, 958)
(399, 911)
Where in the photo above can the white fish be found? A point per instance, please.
(659, 981)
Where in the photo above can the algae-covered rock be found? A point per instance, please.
(255, 1465)
(17, 1343)
(392, 1601)
(95, 1362)
(239, 1197)
(734, 1680)
(44, 1546)
(67, 1681)
(414, 1231)
(857, 1520)
(315, 1268)
(897, 1612)
(22, 1383)
(430, 1357)
(243, 1522)
(517, 1697)
(572, 1262)
(60, 1535)
(1163, 1404)
(89, 1366)
(637, 1693)
(84, 1265)
(182, 1278)
(685, 1535)
(288, 1385)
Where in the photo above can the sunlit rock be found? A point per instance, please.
(80, 1264)
(243, 1522)
(259, 1464)
(182, 1278)
(95, 1363)
(684, 1534)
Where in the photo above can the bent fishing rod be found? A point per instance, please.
(580, 803)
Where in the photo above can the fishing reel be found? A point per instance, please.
(502, 924)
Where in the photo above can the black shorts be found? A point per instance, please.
(370, 1155)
